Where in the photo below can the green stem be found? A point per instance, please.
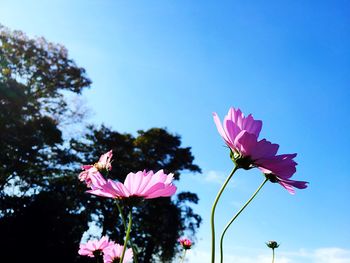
(273, 255)
(126, 237)
(121, 214)
(234, 218)
(183, 256)
(134, 251)
(213, 212)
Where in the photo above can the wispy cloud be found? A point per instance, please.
(319, 255)
(214, 177)
(331, 255)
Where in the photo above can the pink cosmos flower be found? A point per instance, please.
(234, 123)
(114, 253)
(185, 243)
(91, 173)
(241, 135)
(262, 154)
(95, 247)
(143, 184)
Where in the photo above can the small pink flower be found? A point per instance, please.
(141, 184)
(185, 243)
(91, 173)
(104, 163)
(95, 247)
(114, 253)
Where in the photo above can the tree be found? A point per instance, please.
(42, 203)
(34, 76)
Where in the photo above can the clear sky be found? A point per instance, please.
(172, 63)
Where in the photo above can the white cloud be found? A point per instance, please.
(320, 255)
(218, 177)
(215, 177)
(332, 255)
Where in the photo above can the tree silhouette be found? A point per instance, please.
(44, 209)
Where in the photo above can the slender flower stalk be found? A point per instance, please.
(213, 212)
(234, 218)
(134, 251)
(186, 245)
(183, 256)
(273, 244)
(127, 236)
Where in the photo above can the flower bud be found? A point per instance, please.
(185, 243)
(272, 244)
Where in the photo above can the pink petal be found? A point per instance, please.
(165, 192)
(221, 129)
(246, 143)
(264, 149)
(153, 188)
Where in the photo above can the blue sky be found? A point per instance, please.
(172, 63)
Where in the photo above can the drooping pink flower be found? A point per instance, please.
(185, 243)
(262, 154)
(234, 123)
(91, 173)
(114, 253)
(95, 247)
(143, 184)
(279, 169)
(241, 135)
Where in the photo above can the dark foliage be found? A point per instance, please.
(44, 209)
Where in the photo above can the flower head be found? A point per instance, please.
(272, 244)
(241, 135)
(114, 253)
(142, 184)
(95, 247)
(185, 243)
(91, 173)
(279, 168)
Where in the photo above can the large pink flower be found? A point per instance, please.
(241, 135)
(114, 253)
(234, 123)
(141, 184)
(95, 247)
(91, 173)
